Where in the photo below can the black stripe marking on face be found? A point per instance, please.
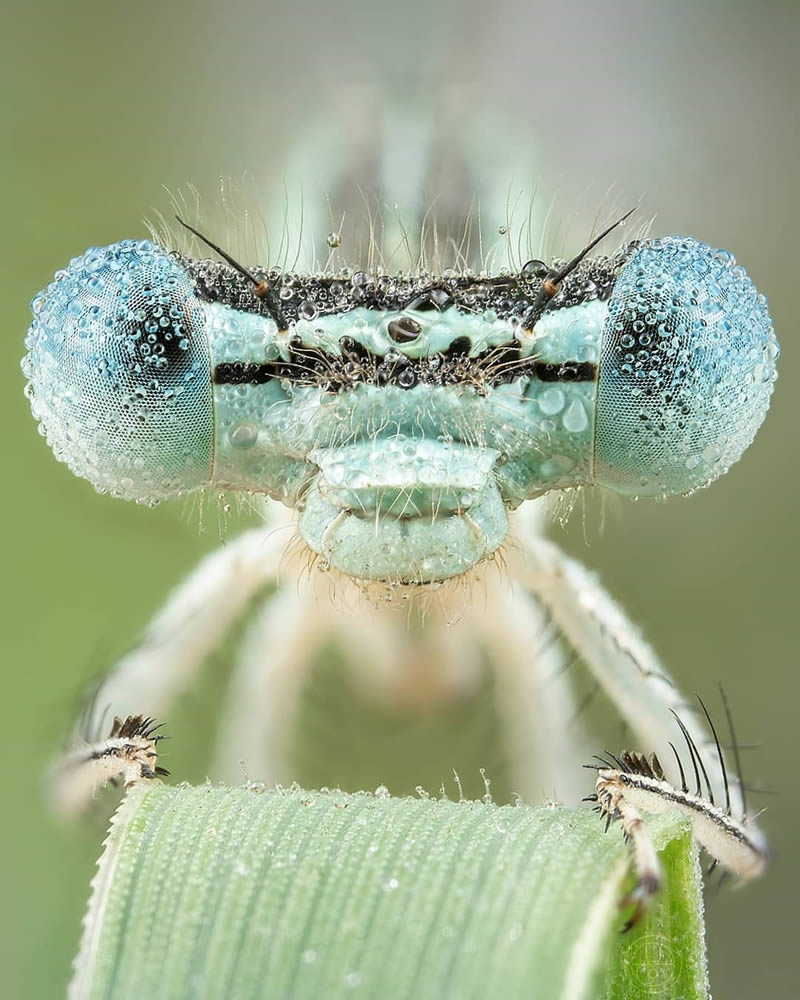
(565, 371)
(355, 365)
(244, 372)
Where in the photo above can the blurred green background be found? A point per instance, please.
(695, 109)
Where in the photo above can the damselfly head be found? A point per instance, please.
(402, 415)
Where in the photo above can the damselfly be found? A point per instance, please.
(408, 422)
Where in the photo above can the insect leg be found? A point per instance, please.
(624, 665)
(129, 753)
(190, 625)
(534, 695)
(272, 668)
(613, 803)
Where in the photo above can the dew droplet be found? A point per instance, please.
(243, 435)
(551, 401)
(307, 310)
(575, 418)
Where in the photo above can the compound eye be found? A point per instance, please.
(120, 375)
(687, 369)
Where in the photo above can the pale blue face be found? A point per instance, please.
(402, 417)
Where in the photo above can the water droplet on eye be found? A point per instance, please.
(575, 418)
(333, 240)
(243, 435)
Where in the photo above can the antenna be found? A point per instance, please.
(552, 281)
(261, 287)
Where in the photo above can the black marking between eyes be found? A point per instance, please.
(357, 365)
(566, 371)
(300, 296)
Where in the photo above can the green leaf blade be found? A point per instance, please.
(662, 957)
(209, 892)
